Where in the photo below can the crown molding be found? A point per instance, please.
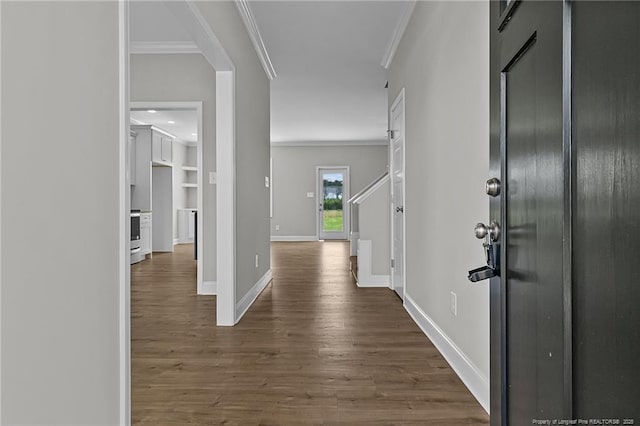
(254, 34)
(277, 144)
(161, 47)
(397, 34)
(189, 15)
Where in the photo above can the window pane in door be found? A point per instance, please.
(332, 185)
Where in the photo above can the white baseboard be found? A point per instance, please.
(247, 300)
(365, 277)
(179, 241)
(294, 238)
(470, 375)
(209, 288)
(373, 280)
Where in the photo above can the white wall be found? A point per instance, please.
(443, 63)
(294, 174)
(60, 127)
(374, 226)
(185, 78)
(252, 144)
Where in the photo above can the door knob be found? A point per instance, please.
(493, 230)
(480, 230)
(492, 187)
(400, 209)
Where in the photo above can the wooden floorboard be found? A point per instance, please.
(313, 349)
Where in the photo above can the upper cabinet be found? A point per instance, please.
(152, 146)
(162, 148)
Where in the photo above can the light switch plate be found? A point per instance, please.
(454, 304)
(212, 178)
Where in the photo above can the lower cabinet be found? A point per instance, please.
(145, 233)
(186, 225)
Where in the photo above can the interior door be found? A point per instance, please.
(333, 209)
(397, 194)
(527, 304)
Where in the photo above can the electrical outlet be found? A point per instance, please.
(310, 195)
(277, 227)
(257, 259)
(266, 181)
(454, 304)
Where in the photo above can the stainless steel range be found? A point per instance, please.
(135, 231)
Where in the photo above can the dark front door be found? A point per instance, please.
(528, 156)
(606, 210)
(565, 144)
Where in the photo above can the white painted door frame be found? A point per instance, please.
(124, 228)
(345, 197)
(196, 106)
(189, 15)
(399, 102)
(225, 196)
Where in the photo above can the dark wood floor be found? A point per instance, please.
(313, 349)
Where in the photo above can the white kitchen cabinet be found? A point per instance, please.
(162, 148)
(186, 225)
(167, 150)
(145, 234)
(148, 148)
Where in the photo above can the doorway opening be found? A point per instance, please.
(332, 196)
(166, 178)
(397, 164)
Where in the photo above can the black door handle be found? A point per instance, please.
(491, 269)
(481, 273)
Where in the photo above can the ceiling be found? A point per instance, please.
(184, 126)
(330, 83)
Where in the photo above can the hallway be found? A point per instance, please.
(313, 349)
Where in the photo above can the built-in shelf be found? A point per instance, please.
(189, 168)
(190, 185)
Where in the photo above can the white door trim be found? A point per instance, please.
(124, 228)
(400, 100)
(225, 198)
(0, 216)
(345, 196)
(197, 107)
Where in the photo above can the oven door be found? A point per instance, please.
(135, 232)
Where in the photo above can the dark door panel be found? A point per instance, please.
(527, 148)
(565, 142)
(606, 140)
(533, 235)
